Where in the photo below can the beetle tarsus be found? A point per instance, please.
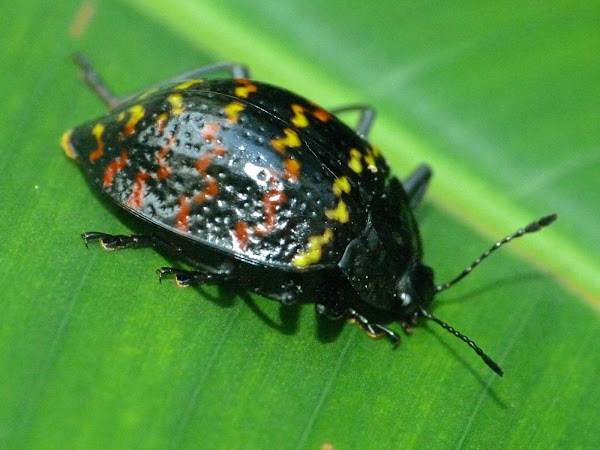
(374, 330)
(185, 278)
(118, 241)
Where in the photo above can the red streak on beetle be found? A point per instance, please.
(204, 161)
(181, 222)
(164, 170)
(113, 168)
(137, 194)
(292, 170)
(241, 235)
(210, 190)
(270, 200)
(210, 131)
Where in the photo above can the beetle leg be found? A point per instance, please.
(120, 242)
(365, 121)
(374, 330)
(235, 70)
(93, 80)
(331, 311)
(185, 278)
(416, 184)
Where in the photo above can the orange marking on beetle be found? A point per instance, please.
(136, 112)
(246, 88)
(203, 162)
(292, 170)
(176, 101)
(137, 194)
(232, 110)
(210, 131)
(241, 236)
(300, 120)
(182, 219)
(322, 115)
(161, 122)
(113, 168)
(291, 140)
(270, 200)
(209, 191)
(164, 170)
(97, 132)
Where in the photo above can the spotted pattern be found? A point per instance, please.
(243, 167)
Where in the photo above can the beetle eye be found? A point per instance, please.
(406, 298)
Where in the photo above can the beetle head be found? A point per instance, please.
(416, 289)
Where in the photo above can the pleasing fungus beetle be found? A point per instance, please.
(251, 184)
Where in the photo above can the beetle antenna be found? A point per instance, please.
(489, 361)
(531, 228)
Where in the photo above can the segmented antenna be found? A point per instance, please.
(531, 228)
(489, 361)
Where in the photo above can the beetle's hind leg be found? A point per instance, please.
(120, 241)
(235, 70)
(365, 121)
(185, 278)
(93, 80)
(416, 184)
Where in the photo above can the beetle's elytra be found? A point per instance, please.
(253, 185)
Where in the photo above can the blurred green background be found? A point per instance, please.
(501, 98)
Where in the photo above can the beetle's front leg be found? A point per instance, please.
(335, 311)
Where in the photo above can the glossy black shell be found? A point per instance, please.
(243, 167)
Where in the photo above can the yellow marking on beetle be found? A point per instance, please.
(187, 84)
(176, 101)
(147, 93)
(233, 110)
(246, 88)
(97, 132)
(340, 213)
(136, 112)
(370, 160)
(375, 151)
(290, 140)
(65, 142)
(315, 249)
(354, 163)
(299, 118)
(341, 185)
(121, 116)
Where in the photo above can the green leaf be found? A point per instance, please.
(500, 99)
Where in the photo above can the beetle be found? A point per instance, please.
(253, 185)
